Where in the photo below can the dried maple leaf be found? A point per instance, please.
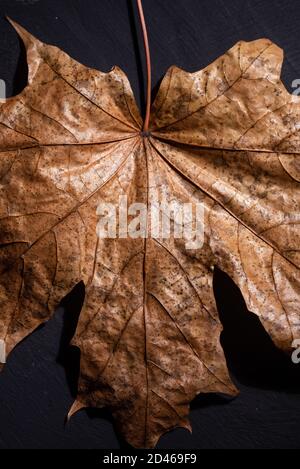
(227, 137)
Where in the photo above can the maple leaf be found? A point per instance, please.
(226, 137)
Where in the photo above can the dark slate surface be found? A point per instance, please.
(35, 390)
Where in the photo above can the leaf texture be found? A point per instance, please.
(226, 137)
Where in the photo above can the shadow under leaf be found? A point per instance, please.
(252, 357)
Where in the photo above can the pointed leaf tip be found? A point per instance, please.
(26, 37)
(76, 406)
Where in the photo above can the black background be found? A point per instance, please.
(35, 389)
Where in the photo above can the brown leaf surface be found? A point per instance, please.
(227, 137)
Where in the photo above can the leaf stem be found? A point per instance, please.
(148, 63)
